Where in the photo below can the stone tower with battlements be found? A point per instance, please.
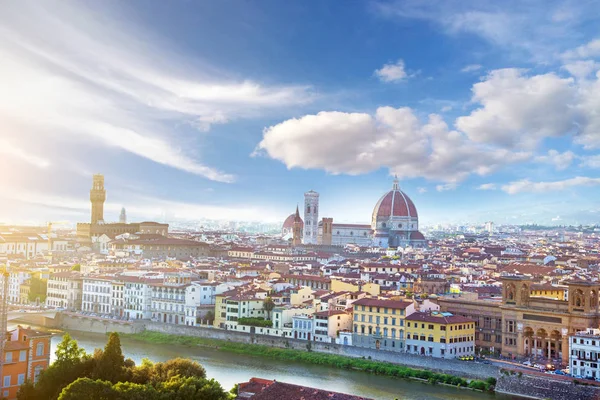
(97, 197)
(311, 217)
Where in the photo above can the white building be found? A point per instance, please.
(199, 295)
(584, 351)
(26, 245)
(117, 298)
(137, 297)
(168, 302)
(97, 296)
(64, 290)
(311, 217)
(16, 278)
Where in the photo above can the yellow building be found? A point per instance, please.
(379, 324)
(220, 310)
(549, 291)
(441, 335)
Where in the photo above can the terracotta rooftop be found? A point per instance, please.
(287, 391)
(382, 303)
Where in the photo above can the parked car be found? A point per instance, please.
(528, 363)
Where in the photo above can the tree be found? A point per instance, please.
(180, 388)
(177, 367)
(210, 316)
(268, 306)
(86, 388)
(110, 363)
(68, 351)
(37, 289)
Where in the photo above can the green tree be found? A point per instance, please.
(179, 388)
(210, 316)
(37, 289)
(182, 367)
(110, 363)
(134, 391)
(86, 388)
(268, 306)
(68, 351)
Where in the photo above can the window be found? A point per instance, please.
(21, 379)
(8, 357)
(23, 355)
(7, 381)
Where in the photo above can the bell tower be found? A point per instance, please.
(297, 229)
(311, 217)
(97, 197)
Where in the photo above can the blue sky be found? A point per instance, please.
(232, 110)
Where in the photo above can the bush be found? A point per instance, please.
(260, 322)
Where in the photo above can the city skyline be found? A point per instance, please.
(233, 110)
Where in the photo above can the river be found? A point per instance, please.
(229, 369)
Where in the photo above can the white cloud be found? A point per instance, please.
(392, 72)
(590, 161)
(561, 161)
(518, 111)
(445, 187)
(87, 79)
(487, 186)
(588, 50)
(9, 150)
(538, 28)
(471, 68)
(581, 69)
(357, 143)
(421, 190)
(446, 108)
(526, 186)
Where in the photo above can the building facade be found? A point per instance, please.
(26, 355)
(379, 324)
(311, 217)
(584, 353)
(65, 290)
(440, 335)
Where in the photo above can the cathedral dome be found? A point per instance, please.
(394, 203)
(289, 222)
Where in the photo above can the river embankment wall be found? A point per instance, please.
(464, 369)
(546, 387)
(74, 322)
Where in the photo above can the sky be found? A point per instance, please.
(485, 110)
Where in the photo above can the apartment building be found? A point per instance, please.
(65, 290)
(440, 335)
(26, 355)
(379, 324)
(584, 350)
(97, 294)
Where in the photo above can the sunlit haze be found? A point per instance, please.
(231, 110)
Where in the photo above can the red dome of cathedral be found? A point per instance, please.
(289, 222)
(394, 203)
